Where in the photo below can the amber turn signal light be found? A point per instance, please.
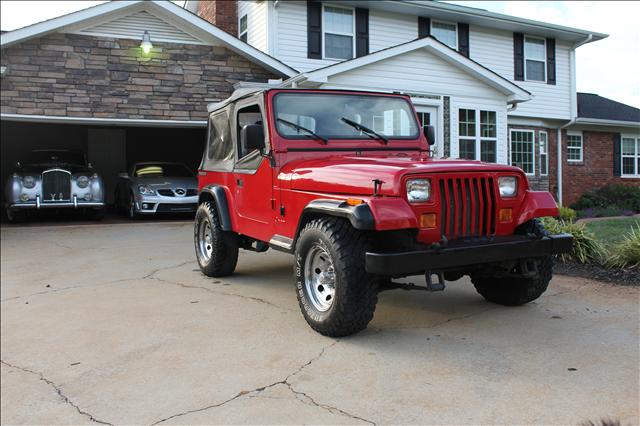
(506, 215)
(428, 220)
(354, 201)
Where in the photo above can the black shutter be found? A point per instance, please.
(424, 27)
(314, 30)
(617, 157)
(362, 32)
(518, 56)
(463, 39)
(551, 61)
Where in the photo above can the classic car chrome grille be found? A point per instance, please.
(468, 207)
(56, 185)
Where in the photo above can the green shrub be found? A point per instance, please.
(626, 253)
(613, 195)
(567, 214)
(586, 248)
(602, 212)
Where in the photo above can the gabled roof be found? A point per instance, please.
(592, 106)
(514, 92)
(199, 28)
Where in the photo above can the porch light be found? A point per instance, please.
(146, 45)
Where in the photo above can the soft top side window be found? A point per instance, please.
(220, 150)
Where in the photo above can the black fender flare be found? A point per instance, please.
(222, 205)
(359, 215)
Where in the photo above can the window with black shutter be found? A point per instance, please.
(551, 61)
(362, 32)
(424, 27)
(518, 56)
(314, 29)
(463, 39)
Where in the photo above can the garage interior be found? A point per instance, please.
(109, 149)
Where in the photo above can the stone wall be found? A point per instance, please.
(85, 76)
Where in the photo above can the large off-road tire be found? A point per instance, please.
(216, 250)
(514, 290)
(337, 297)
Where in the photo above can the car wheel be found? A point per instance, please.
(131, 210)
(216, 250)
(517, 290)
(336, 295)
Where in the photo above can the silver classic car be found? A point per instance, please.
(54, 178)
(157, 187)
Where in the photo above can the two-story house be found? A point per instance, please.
(496, 87)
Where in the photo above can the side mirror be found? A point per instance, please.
(430, 134)
(123, 175)
(252, 137)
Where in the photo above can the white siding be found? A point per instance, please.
(418, 71)
(256, 12)
(494, 50)
(134, 25)
(390, 29)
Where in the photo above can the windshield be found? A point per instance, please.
(324, 114)
(56, 157)
(162, 170)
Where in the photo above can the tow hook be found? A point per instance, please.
(434, 286)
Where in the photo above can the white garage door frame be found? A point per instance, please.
(104, 121)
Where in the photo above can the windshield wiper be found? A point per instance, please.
(367, 131)
(304, 129)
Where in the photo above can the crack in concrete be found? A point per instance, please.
(309, 400)
(223, 293)
(73, 287)
(574, 290)
(58, 390)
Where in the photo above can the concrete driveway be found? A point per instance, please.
(115, 324)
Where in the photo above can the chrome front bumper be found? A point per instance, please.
(161, 204)
(74, 203)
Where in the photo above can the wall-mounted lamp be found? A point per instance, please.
(146, 45)
(3, 71)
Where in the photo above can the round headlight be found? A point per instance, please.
(145, 190)
(82, 181)
(29, 182)
(418, 190)
(508, 186)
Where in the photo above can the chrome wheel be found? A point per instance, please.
(205, 241)
(319, 278)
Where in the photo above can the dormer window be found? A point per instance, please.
(535, 59)
(445, 32)
(243, 29)
(338, 25)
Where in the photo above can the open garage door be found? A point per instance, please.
(110, 149)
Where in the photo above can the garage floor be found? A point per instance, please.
(113, 323)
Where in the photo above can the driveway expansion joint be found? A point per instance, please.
(309, 400)
(58, 390)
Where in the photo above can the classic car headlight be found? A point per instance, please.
(145, 190)
(29, 182)
(418, 190)
(508, 186)
(82, 181)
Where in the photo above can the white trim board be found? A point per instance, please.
(102, 121)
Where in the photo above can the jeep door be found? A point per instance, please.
(253, 174)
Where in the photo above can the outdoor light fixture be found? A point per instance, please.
(146, 45)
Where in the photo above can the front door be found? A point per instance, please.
(428, 116)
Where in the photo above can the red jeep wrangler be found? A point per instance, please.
(344, 181)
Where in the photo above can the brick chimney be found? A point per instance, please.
(221, 13)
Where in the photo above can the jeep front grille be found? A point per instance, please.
(56, 185)
(468, 207)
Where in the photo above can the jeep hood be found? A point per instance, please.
(355, 175)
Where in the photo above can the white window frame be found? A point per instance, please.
(455, 25)
(635, 157)
(478, 138)
(573, 147)
(246, 31)
(524, 54)
(546, 153)
(352, 34)
(533, 149)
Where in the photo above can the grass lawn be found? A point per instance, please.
(611, 231)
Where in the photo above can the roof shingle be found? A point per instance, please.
(594, 106)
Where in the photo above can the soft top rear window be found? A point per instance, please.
(323, 114)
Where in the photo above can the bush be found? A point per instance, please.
(567, 214)
(586, 248)
(614, 195)
(626, 253)
(603, 212)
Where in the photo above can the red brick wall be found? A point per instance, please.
(595, 171)
(221, 13)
